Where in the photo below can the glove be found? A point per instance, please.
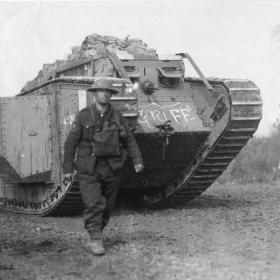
(139, 167)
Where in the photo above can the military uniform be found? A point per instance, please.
(102, 143)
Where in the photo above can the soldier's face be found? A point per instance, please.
(103, 96)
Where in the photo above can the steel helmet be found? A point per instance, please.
(103, 84)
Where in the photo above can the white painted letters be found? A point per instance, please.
(154, 114)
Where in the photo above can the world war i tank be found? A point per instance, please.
(188, 129)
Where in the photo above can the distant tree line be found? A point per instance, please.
(258, 161)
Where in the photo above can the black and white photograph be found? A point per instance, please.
(140, 140)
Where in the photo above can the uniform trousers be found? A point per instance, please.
(99, 193)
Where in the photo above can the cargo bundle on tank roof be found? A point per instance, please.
(95, 46)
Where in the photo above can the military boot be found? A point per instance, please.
(96, 246)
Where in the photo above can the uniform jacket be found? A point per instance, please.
(93, 136)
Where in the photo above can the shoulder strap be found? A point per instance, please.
(93, 120)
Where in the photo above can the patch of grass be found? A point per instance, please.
(258, 161)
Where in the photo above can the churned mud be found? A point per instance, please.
(231, 232)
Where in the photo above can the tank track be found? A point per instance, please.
(65, 200)
(71, 204)
(244, 118)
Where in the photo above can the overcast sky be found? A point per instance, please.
(231, 39)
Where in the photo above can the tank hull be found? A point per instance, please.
(204, 143)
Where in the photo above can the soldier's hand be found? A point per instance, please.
(68, 177)
(139, 167)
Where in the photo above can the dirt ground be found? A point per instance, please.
(231, 232)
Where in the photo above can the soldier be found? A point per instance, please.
(103, 139)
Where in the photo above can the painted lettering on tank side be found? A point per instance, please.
(154, 114)
(176, 115)
(143, 118)
(68, 119)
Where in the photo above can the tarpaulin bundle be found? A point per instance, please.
(95, 45)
